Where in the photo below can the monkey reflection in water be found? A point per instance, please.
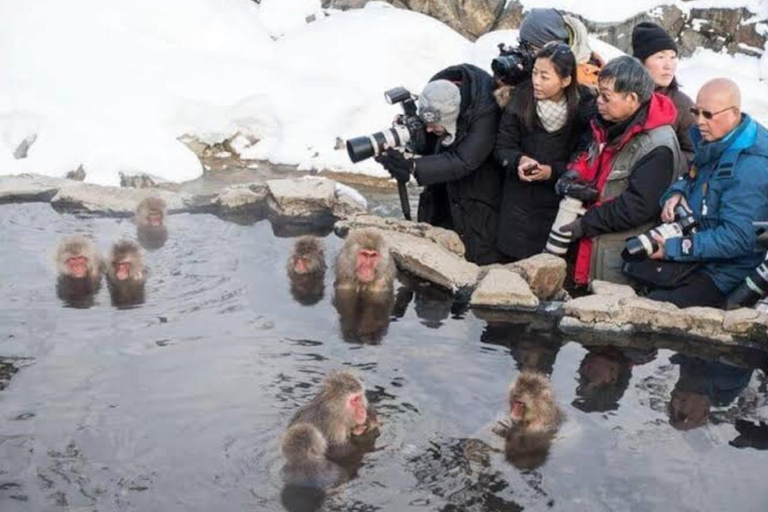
(126, 275)
(535, 418)
(79, 271)
(363, 290)
(151, 231)
(326, 440)
(306, 270)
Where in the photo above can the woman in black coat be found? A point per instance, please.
(539, 131)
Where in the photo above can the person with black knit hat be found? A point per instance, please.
(658, 52)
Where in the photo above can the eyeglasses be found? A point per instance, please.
(706, 113)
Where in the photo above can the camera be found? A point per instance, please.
(755, 285)
(575, 193)
(643, 245)
(408, 131)
(513, 65)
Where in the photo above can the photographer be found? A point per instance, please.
(633, 157)
(538, 133)
(726, 190)
(462, 182)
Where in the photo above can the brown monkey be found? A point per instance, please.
(79, 271)
(125, 274)
(364, 263)
(338, 412)
(306, 270)
(532, 404)
(150, 223)
(304, 450)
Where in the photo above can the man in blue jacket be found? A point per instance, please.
(726, 190)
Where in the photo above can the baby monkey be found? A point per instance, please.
(532, 404)
(306, 270)
(150, 223)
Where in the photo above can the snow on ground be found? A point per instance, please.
(608, 11)
(112, 85)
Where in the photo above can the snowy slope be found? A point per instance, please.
(112, 85)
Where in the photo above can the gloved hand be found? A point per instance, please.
(571, 184)
(575, 228)
(398, 166)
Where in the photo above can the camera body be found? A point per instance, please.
(575, 192)
(409, 131)
(513, 65)
(642, 246)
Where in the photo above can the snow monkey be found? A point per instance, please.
(306, 270)
(325, 430)
(364, 263)
(79, 271)
(125, 274)
(150, 223)
(532, 404)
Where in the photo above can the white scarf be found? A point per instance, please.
(552, 114)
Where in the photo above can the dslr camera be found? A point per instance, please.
(409, 131)
(513, 65)
(642, 246)
(575, 192)
(755, 285)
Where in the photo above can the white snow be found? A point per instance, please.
(112, 85)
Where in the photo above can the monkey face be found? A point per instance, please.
(77, 266)
(517, 408)
(122, 270)
(367, 262)
(155, 218)
(300, 265)
(358, 406)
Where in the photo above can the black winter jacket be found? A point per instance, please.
(462, 182)
(684, 118)
(529, 209)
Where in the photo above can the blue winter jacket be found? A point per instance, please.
(727, 190)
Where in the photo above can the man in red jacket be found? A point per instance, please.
(633, 157)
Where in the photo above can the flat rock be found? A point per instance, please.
(747, 323)
(114, 201)
(240, 198)
(545, 274)
(432, 262)
(504, 289)
(607, 288)
(595, 308)
(301, 198)
(29, 188)
(653, 315)
(447, 239)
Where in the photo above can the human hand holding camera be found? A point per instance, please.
(668, 211)
(573, 185)
(397, 164)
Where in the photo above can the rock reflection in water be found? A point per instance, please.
(703, 384)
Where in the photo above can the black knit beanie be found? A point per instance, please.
(649, 38)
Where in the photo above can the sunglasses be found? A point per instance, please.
(706, 113)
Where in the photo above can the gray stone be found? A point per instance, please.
(591, 309)
(545, 274)
(749, 324)
(29, 188)
(445, 238)
(650, 315)
(431, 262)
(113, 201)
(23, 148)
(503, 289)
(242, 198)
(301, 198)
(607, 288)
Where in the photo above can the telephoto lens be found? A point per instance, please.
(642, 246)
(569, 210)
(367, 146)
(752, 289)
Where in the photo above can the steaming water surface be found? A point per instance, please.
(178, 404)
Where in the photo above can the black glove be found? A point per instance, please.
(575, 228)
(571, 184)
(398, 166)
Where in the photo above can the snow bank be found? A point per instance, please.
(112, 85)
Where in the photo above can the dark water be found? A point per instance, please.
(177, 404)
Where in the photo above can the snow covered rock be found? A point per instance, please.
(250, 198)
(28, 188)
(114, 201)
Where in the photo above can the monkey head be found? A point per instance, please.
(76, 258)
(308, 257)
(346, 395)
(365, 263)
(531, 402)
(125, 262)
(151, 212)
